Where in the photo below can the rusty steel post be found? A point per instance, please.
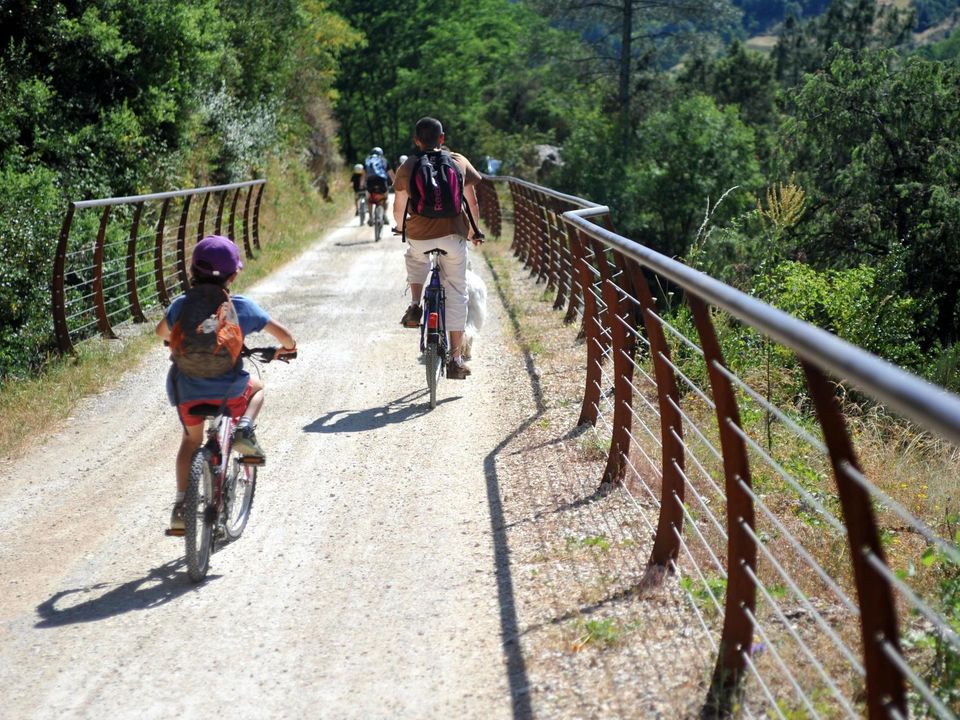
(57, 284)
(182, 245)
(202, 222)
(666, 543)
(490, 207)
(247, 250)
(256, 217)
(222, 200)
(622, 350)
(574, 255)
(517, 217)
(99, 301)
(737, 635)
(589, 411)
(158, 255)
(878, 617)
(132, 294)
(564, 274)
(246, 217)
(232, 223)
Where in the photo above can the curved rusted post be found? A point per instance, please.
(132, 294)
(618, 315)
(666, 543)
(99, 301)
(221, 202)
(878, 618)
(202, 222)
(248, 251)
(737, 635)
(564, 271)
(518, 211)
(490, 206)
(576, 291)
(541, 239)
(594, 339)
(551, 216)
(158, 255)
(182, 244)
(57, 284)
(246, 217)
(256, 217)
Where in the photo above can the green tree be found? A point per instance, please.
(875, 143)
(687, 155)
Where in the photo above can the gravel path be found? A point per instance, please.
(366, 583)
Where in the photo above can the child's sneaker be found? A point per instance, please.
(245, 441)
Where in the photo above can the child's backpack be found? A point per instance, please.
(206, 340)
(436, 188)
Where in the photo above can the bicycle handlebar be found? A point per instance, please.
(267, 354)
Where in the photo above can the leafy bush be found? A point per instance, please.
(30, 209)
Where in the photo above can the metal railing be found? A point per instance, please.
(763, 506)
(112, 268)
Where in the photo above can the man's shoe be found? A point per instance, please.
(457, 369)
(411, 318)
(245, 442)
(176, 517)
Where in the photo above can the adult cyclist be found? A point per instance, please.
(359, 194)
(378, 177)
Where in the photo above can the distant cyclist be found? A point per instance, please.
(358, 192)
(377, 178)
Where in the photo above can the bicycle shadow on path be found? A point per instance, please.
(400, 410)
(158, 587)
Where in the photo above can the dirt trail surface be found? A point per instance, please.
(366, 582)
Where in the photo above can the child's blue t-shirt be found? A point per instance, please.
(252, 318)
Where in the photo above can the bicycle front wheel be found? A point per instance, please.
(199, 515)
(377, 223)
(241, 484)
(434, 368)
(363, 212)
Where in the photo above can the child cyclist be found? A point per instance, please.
(216, 262)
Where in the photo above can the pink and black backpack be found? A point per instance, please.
(436, 188)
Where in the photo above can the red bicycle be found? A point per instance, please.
(222, 482)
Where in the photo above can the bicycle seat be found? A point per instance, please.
(205, 410)
(435, 250)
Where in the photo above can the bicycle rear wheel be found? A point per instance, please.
(434, 368)
(240, 486)
(199, 515)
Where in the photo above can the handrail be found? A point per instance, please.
(120, 278)
(917, 399)
(569, 243)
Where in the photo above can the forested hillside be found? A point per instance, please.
(836, 155)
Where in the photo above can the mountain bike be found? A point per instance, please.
(361, 200)
(378, 213)
(433, 327)
(222, 482)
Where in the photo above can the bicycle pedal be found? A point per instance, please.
(174, 533)
(251, 460)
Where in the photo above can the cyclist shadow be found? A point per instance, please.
(158, 587)
(353, 243)
(404, 408)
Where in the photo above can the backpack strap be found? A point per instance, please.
(406, 214)
(473, 223)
